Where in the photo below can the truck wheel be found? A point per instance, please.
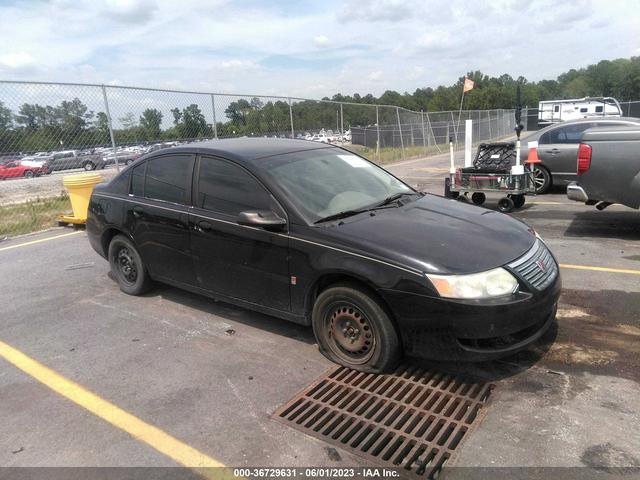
(353, 329)
(447, 189)
(542, 179)
(89, 166)
(505, 205)
(127, 267)
(478, 198)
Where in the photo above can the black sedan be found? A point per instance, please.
(315, 234)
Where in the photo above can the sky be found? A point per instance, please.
(308, 49)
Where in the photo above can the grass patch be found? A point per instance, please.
(394, 154)
(32, 216)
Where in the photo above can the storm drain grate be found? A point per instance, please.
(414, 418)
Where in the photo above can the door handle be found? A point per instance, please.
(204, 225)
(553, 151)
(138, 212)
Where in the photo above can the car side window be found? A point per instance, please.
(168, 178)
(573, 133)
(120, 184)
(137, 180)
(226, 188)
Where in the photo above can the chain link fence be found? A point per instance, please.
(52, 128)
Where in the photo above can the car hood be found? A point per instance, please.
(434, 235)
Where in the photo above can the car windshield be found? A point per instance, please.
(329, 181)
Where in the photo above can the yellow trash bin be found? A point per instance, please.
(79, 187)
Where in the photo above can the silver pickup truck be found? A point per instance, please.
(608, 167)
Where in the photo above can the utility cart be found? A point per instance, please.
(493, 171)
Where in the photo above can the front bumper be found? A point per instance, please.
(478, 330)
(577, 193)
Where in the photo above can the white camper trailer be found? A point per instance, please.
(554, 111)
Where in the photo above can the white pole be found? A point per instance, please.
(452, 168)
(468, 140)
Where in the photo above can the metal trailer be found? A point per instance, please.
(492, 173)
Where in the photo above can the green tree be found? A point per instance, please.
(150, 121)
(6, 117)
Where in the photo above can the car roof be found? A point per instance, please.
(246, 150)
(596, 119)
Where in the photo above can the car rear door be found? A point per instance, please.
(558, 148)
(156, 215)
(242, 262)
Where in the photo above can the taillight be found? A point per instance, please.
(584, 158)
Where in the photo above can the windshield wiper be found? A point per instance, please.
(336, 216)
(393, 198)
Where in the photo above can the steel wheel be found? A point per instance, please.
(541, 179)
(127, 268)
(351, 335)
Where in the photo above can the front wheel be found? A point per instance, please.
(127, 267)
(28, 174)
(353, 329)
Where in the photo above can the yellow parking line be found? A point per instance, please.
(152, 436)
(33, 242)
(600, 269)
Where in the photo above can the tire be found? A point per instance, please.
(478, 198)
(447, 189)
(518, 200)
(28, 174)
(89, 166)
(367, 340)
(505, 205)
(542, 179)
(127, 267)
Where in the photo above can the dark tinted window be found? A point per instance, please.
(227, 188)
(584, 110)
(168, 178)
(120, 184)
(137, 180)
(599, 109)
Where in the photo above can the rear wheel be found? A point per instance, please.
(353, 329)
(541, 179)
(478, 198)
(127, 267)
(28, 174)
(89, 166)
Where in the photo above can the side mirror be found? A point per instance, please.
(262, 218)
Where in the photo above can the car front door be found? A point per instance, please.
(247, 263)
(558, 148)
(156, 215)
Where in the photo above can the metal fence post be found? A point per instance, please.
(341, 121)
(489, 121)
(113, 141)
(215, 122)
(424, 140)
(400, 130)
(377, 134)
(291, 118)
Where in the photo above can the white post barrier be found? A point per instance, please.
(468, 140)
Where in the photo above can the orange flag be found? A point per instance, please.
(468, 85)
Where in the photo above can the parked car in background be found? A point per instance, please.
(68, 159)
(608, 164)
(16, 169)
(558, 149)
(320, 236)
(124, 158)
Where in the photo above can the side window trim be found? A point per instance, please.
(196, 181)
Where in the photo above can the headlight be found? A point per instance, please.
(493, 283)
